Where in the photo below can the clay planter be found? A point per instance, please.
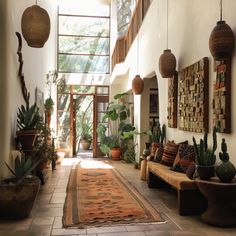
(85, 144)
(17, 200)
(205, 172)
(27, 138)
(116, 154)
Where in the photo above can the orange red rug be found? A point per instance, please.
(97, 195)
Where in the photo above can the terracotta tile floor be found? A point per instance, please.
(45, 219)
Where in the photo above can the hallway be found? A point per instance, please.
(46, 217)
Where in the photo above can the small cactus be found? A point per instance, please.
(163, 133)
(158, 135)
(226, 170)
(205, 155)
(224, 156)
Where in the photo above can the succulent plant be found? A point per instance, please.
(205, 156)
(28, 118)
(23, 167)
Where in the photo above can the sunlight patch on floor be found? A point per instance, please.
(70, 161)
(93, 164)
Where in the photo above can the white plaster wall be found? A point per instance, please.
(190, 25)
(37, 62)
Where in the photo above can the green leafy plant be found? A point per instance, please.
(23, 167)
(116, 115)
(205, 156)
(49, 104)
(28, 118)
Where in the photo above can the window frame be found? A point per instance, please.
(107, 55)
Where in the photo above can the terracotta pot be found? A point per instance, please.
(167, 64)
(27, 138)
(85, 144)
(17, 200)
(205, 172)
(35, 26)
(137, 85)
(116, 153)
(221, 41)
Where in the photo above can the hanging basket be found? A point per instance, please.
(221, 41)
(137, 85)
(35, 26)
(167, 64)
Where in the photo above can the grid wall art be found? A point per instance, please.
(193, 97)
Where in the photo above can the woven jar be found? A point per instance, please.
(167, 64)
(35, 26)
(221, 41)
(137, 85)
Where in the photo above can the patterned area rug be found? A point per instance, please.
(97, 195)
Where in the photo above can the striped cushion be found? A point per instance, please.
(169, 154)
(185, 156)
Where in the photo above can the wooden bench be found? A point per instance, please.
(190, 199)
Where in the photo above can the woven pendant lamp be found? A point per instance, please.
(137, 85)
(167, 60)
(137, 82)
(221, 41)
(35, 26)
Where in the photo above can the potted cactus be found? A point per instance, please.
(205, 157)
(19, 192)
(226, 170)
(158, 136)
(28, 123)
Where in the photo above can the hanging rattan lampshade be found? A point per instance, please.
(35, 26)
(137, 85)
(167, 64)
(221, 41)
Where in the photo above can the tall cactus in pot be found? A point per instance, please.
(205, 156)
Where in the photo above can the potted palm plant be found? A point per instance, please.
(19, 192)
(28, 123)
(205, 157)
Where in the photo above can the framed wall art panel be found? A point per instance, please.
(194, 97)
(222, 97)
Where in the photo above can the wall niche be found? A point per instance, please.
(193, 97)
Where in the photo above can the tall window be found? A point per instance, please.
(84, 37)
(124, 13)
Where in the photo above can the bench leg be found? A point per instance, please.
(154, 182)
(191, 202)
